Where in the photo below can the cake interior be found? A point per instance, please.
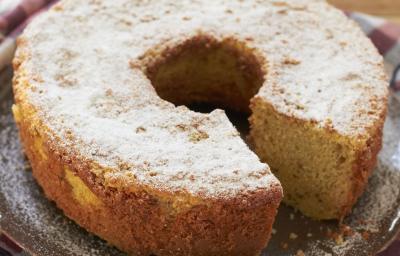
(223, 74)
(314, 165)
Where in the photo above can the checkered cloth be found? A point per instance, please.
(15, 14)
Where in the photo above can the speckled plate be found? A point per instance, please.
(39, 227)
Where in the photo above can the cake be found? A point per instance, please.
(100, 92)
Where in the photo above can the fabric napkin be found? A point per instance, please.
(16, 14)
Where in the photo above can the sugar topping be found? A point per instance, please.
(77, 60)
(327, 71)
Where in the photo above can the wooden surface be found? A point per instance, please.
(389, 9)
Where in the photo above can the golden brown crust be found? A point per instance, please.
(136, 223)
(365, 163)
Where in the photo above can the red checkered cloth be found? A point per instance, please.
(8, 247)
(15, 14)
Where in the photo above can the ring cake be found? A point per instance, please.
(100, 88)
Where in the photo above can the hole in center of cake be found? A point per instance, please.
(205, 74)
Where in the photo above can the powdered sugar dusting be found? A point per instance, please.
(37, 224)
(83, 84)
(328, 71)
(25, 214)
(109, 111)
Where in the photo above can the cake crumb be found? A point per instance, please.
(293, 236)
(274, 231)
(291, 216)
(346, 230)
(291, 61)
(365, 235)
(300, 253)
(109, 92)
(27, 166)
(282, 11)
(339, 240)
(228, 11)
(198, 136)
(152, 174)
(140, 129)
(309, 234)
(284, 246)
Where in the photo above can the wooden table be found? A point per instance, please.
(389, 9)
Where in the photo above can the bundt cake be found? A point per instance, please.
(100, 92)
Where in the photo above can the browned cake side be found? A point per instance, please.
(138, 222)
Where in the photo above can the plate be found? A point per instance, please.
(41, 229)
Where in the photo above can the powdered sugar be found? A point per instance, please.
(37, 224)
(95, 103)
(25, 214)
(82, 83)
